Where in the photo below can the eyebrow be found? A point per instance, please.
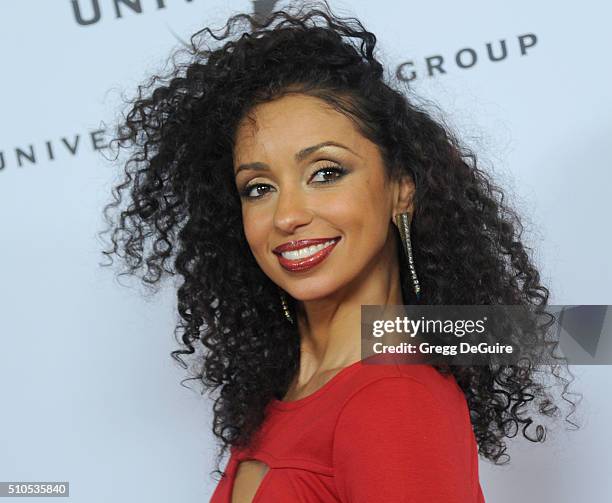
(299, 156)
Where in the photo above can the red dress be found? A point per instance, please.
(374, 433)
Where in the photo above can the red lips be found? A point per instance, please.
(306, 263)
(295, 245)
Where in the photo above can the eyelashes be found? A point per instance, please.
(337, 169)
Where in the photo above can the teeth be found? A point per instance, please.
(307, 251)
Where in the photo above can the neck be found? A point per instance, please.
(330, 327)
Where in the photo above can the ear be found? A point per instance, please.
(403, 195)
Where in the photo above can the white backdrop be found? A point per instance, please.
(89, 392)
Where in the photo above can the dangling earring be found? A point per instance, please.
(285, 307)
(402, 221)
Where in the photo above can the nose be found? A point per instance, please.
(291, 210)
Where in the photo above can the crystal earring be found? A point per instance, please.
(402, 221)
(285, 307)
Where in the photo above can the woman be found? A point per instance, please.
(287, 138)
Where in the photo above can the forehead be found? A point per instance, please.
(283, 126)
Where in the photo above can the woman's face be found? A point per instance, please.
(293, 190)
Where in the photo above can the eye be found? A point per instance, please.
(335, 169)
(338, 170)
(246, 192)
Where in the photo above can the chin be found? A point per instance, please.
(311, 289)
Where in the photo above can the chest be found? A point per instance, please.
(264, 478)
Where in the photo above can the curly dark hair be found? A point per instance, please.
(184, 215)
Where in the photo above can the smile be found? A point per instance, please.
(306, 257)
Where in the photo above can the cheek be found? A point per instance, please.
(339, 210)
(361, 208)
(256, 230)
